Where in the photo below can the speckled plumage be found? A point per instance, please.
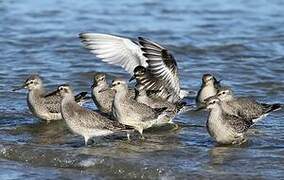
(132, 113)
(244, 107)
(83, 121)
(102, 94)
(142, 97)
(223, 127)
(42, 105)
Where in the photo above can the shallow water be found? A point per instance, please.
(240, 42)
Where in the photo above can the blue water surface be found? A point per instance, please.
(240, 42)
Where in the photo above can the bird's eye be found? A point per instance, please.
(61, 88)
(213, 102)
(118, 83)
(223, 92)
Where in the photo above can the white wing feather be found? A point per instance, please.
(114, 50)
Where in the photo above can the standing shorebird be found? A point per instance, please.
(244, 107)
(132, 113)
(142, 97)
(223, 127)
(161, 67)
(43, 105)
(84, 122)
(102, 99)
(103, 95)
(209, 87)
(155, 102)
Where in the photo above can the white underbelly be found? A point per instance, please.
(206, 93)
(219, 130)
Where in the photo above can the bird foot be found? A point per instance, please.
(176, 127)
(142, 137)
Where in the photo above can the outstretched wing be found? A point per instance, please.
(114, 50)
(161, 64)
(152, 85)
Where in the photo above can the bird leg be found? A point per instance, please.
(128, 136)
(175, 127)
(87, 140)
(140, 130)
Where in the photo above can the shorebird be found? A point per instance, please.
(244, 107)
(102, 99)
(42, 105)
(150, 84)
(223, 127)
(142, 96)
(209, 87)
(129, 53)
(132, 113)
(103, 95)
(84, 122)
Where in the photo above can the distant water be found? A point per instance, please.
(241, 42)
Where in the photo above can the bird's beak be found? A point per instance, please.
(19, 88)
(206, 81)
(132, 78)
(200, 108)
(215, 96)
(112, 88)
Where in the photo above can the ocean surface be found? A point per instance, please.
(240, 42)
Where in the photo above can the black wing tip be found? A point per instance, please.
(160, 110)
(180, 105)
(51, 94)
(272, 107)
(140, 38)
(276, 107)
(83, 35)
(143, 41)
(83, 93)
(80, 96)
